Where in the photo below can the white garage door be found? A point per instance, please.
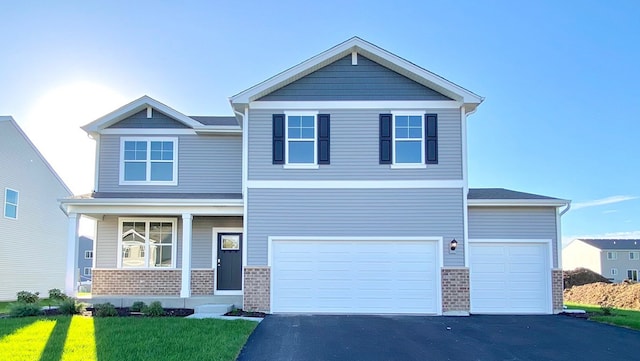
(511, 278)
(354, 277)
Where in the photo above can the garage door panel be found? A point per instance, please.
(509, 277)
(354, 277)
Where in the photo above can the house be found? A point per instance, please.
(615, 259)
(33, 228)
(85, 258)
(339, 186)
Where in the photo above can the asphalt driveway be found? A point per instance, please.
(492, 338)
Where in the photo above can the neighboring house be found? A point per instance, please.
(85, 258)
(615, 259)
(33, 228)
(340, 186)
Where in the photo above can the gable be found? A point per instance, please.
(158, 120)
(341, 80)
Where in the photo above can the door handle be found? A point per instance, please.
(218, 262)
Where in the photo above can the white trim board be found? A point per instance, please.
(398, 105)
(354, 184)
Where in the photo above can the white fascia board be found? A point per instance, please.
(386, 58)
(151, 201)
(134, 107)
(363, 104)
(156, 209)
(517, 202)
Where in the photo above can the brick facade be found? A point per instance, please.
(455, 291)
(136, 282)
(257, 289)
(202, 282)
(557, 290)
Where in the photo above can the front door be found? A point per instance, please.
(229, 269)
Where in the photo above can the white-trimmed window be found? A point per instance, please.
(88, 254)
(10, 203)
(612, 256)
(408, 139)
(149, 161)
(147, 243)
(614, 271)
(634, 255)
(632, 274)
(301, 136)
(86, 271)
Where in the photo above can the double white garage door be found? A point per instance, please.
(355, 277)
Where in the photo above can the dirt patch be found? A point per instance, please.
(617, 295)
(241, 313)
(581, 276)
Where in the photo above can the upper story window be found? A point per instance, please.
(634, 255)
(88, 254)
(301, 139)
(10, 203)
(408, 139)
(612, 255)
(147, 243)
(148, 161)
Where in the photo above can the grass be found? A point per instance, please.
(122, 339)
(4, 306)
(619, 317)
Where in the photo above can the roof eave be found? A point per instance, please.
(517, 202)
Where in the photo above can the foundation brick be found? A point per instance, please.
(257, 289)
(136, 282)
(455, 290)
(202, 282)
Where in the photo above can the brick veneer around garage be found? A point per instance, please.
(136, 282)
(455, 291)
(257, 289)
(557, 288)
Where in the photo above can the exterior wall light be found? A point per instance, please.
(454, 244)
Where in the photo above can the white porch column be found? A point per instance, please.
(187, 219)
(70, 284)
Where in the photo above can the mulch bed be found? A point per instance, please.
(126, 312)
(242, 313)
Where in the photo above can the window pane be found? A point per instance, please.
(307, 121)
(415, 121)
(156, 146)
(402, 133)
(307, 133)
(294, 121)
(161, 256)
(161, 150)
(11, 196)
(161, 171)
(135, 171)
(135, 150)
(301, 152)
(10, 211)
(402, 121)
(132, 250)
(415, 133)
(409, 152)
(130, 146)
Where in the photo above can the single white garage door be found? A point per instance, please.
(510, 277)
(367, 277)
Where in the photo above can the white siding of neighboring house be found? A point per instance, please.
(579, 254)
(32, 247)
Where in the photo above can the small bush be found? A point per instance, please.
(28, 297)
(154, 309)
(71, 307)
(22, 309)
(56, 295)
(105, 310)
(137, 306)
(606, 309)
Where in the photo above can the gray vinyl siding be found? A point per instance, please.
(514, 223)
(366, 81)
(355, 149)
(84, 244)
(157, 121)
(622, 263)
(206, 164)
(201, 240)
(354, 213)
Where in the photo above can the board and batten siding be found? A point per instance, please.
(355, 149)
(202, 240)
(354, 213)
(33, 247)
(341, 80)
(206, 164)
(514, 223)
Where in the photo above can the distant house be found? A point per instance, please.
(615, 259)
(33, 228)
(85, 258)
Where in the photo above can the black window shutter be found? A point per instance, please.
(431, 138)
(386, 124)
(324, 131)
(278, 139)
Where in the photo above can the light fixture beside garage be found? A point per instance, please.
(454, 245)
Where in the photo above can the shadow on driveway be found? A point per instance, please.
(371, 338)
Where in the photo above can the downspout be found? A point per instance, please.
(559, 214)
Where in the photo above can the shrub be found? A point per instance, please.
(56, 295)
(606, 309)
(22, 309)
(28, 297)
(154, 309)
(105, 310)
(137, 306)
(71, 307)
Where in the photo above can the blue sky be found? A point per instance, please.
(560, 79)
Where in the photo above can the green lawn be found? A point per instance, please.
(619, 317)
(4, 306)
(121, 339)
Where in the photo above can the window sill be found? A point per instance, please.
(300, 166)
(408, 166)
(142, 183)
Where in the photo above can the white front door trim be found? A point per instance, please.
(214, 258)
